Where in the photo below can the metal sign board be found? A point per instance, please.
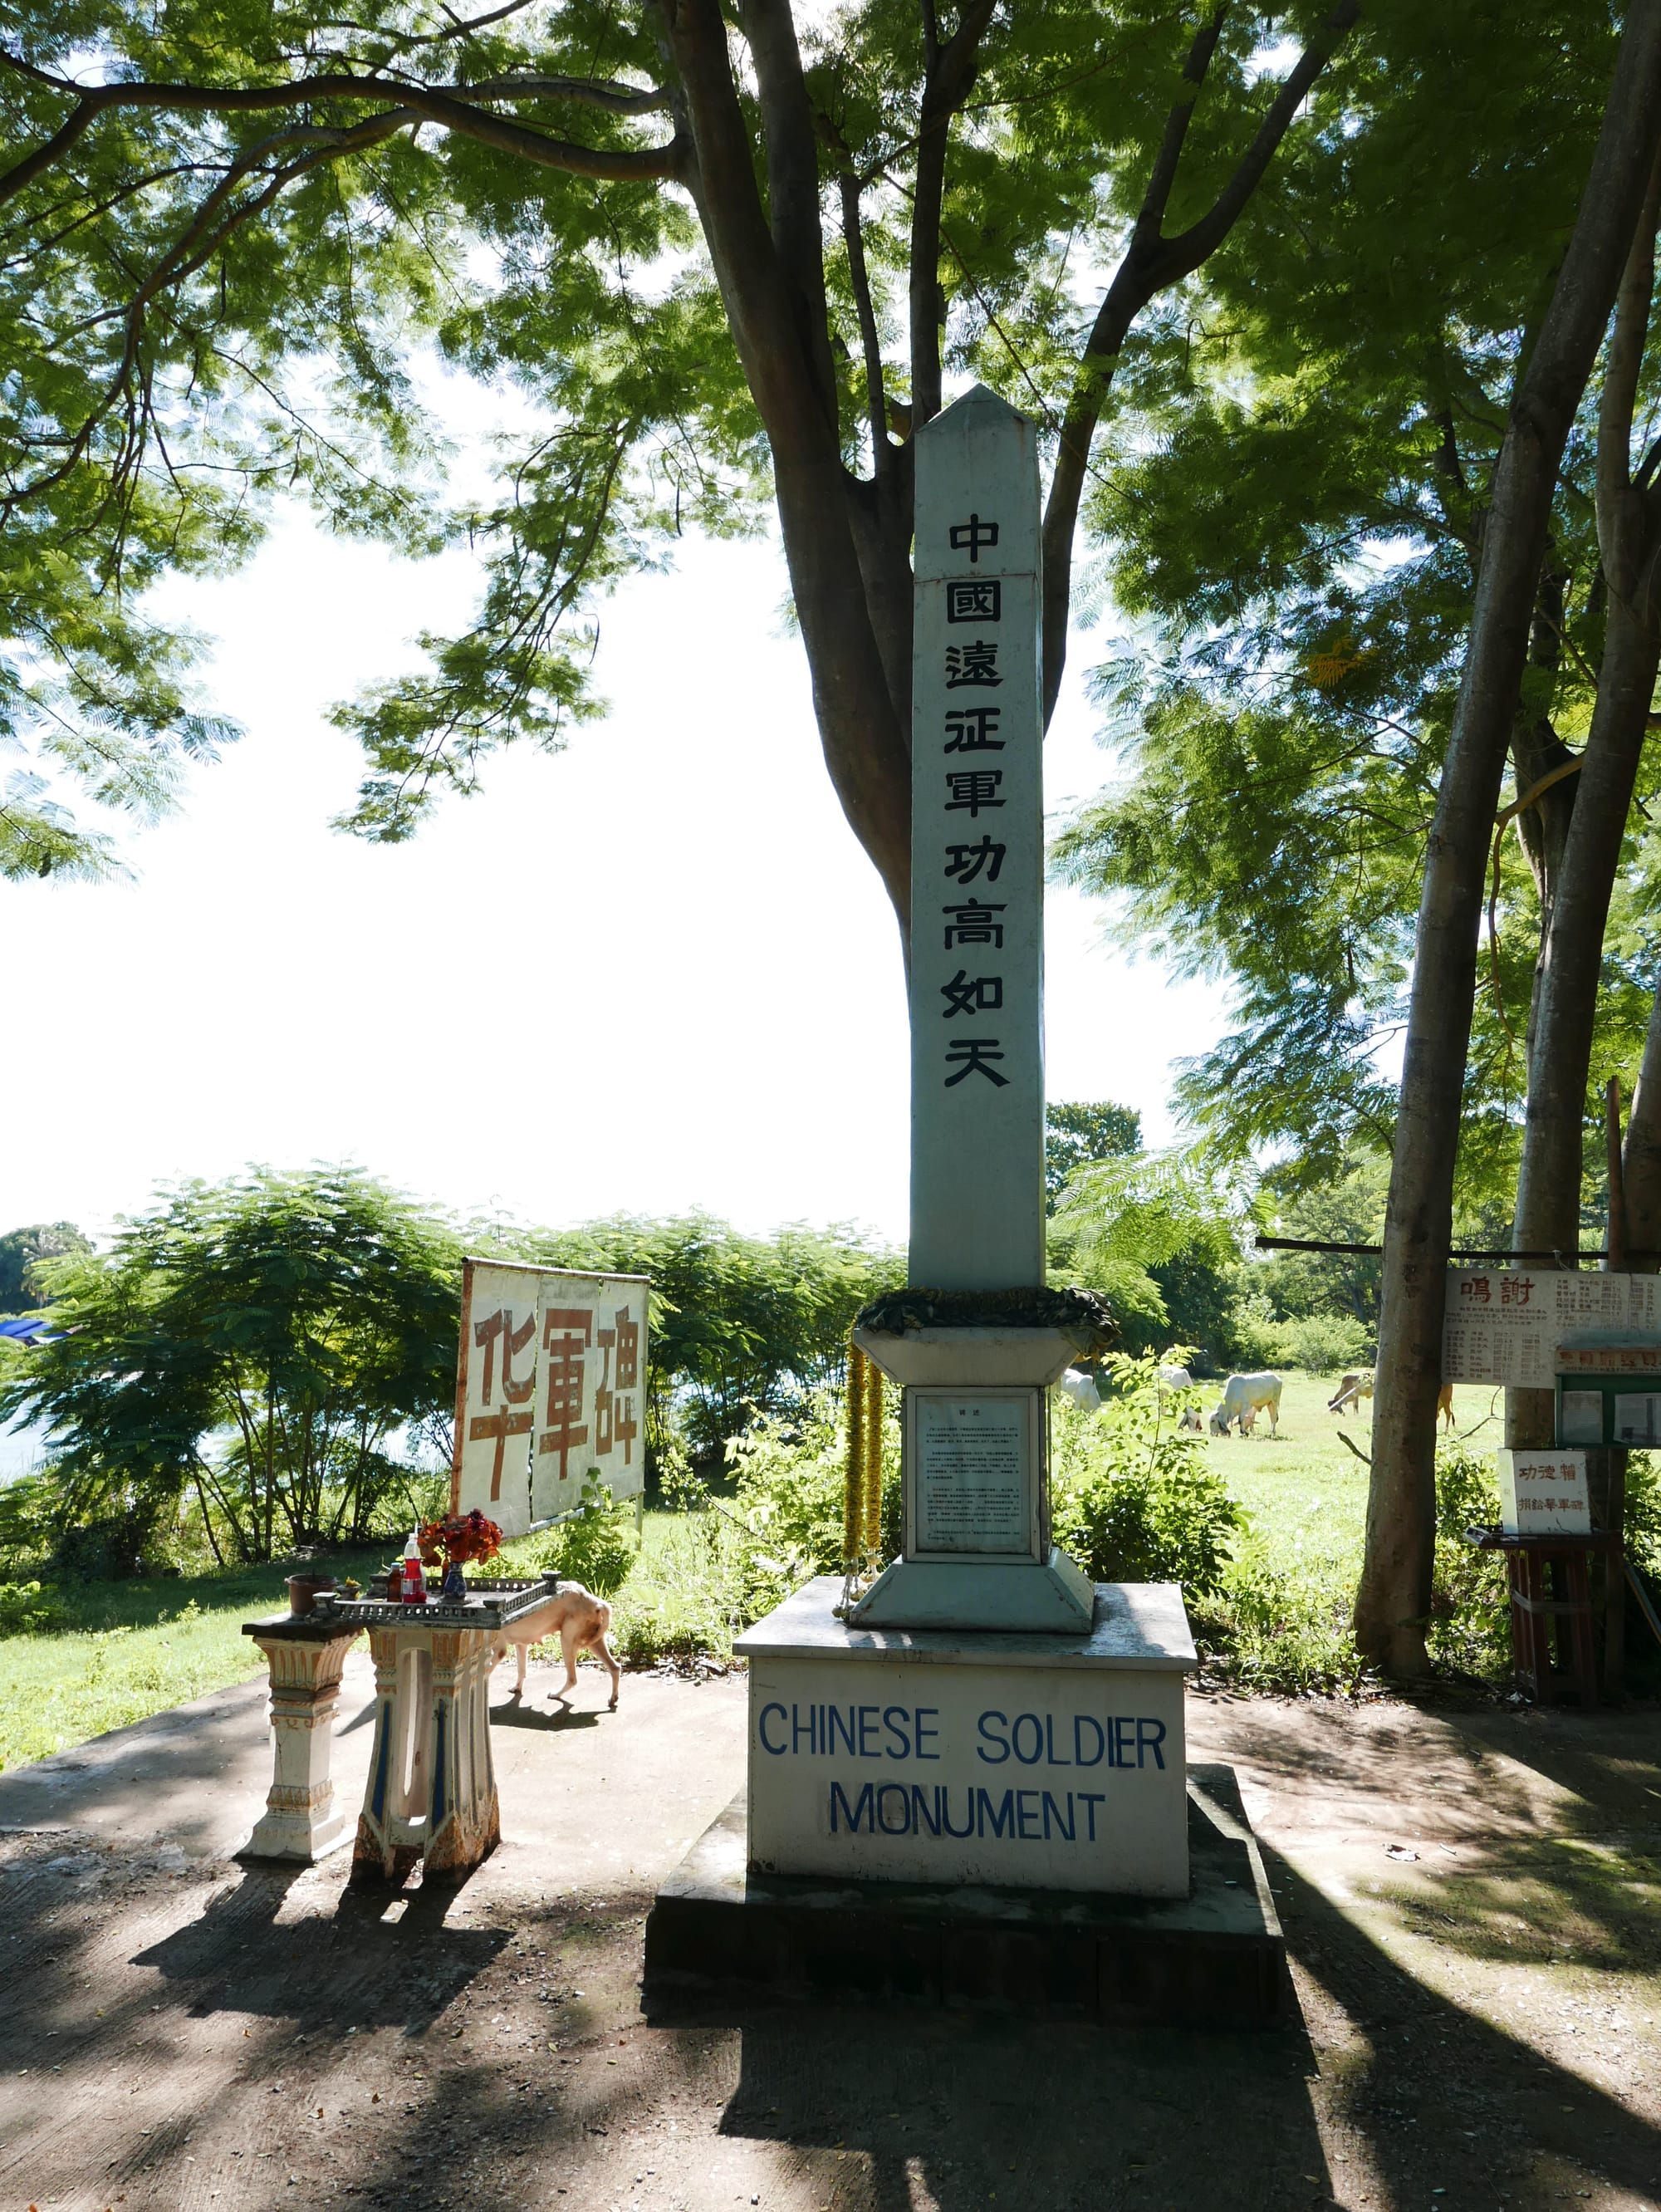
(1506, 1325)
(550, 1385)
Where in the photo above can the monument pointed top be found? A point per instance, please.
(978, 396)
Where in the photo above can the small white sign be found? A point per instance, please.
(975, 1472)
(1544, 1493)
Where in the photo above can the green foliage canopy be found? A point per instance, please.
(257, 1342)
(22, 1250)
(739, 1325)
(710, 256)
(1295, 541)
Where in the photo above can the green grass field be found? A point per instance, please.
(1306, 1492)
(131, 1649)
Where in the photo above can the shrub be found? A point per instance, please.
(782, 1523)
(1175, 1526)
(24, 1609)
(596, 1546)
(1256, 1333)
(1324, 1344)
(1131, 1495)
(1470, 1613)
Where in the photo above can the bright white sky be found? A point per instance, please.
(654, 973)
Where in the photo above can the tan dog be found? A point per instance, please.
(579, 1619)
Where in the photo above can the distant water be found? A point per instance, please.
(22, 1448)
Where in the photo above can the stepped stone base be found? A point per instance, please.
(1215, 1958)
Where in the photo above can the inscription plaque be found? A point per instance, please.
(974, 1471)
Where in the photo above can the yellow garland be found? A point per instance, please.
(853, 1508)
(873, 1467)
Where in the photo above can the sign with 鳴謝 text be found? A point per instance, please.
(1506, 1324)
(978, 1471)
(977, 1195)
(550, 1384)
(1544, 1493)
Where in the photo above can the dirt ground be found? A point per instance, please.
(1470, 1899)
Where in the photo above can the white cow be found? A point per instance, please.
(1244, 1397)
(1081, 1387)
(1178, 1378)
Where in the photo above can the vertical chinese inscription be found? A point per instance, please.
(977, 1215)
(495, 1404)
(550, 1387)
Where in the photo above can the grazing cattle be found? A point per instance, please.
(1244, 1397)
(1178, 1378)
(1081, 1389)
(1353, 1388)
(1350, 1392)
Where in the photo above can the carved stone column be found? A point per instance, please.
(304, 1654)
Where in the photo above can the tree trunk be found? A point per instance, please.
(1640, 1155)
(1549, 1180)
(1393, 1600)
(1563, 1018)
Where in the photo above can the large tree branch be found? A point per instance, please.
(1152, 264)
(948, 83)
(453, 107)
(792, 157)
(196, 246)
(1623, 366)
(863, 726)
(869, 339)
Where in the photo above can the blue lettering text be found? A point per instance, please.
(1023, 1720)
(853, 1815)
(1001, 1751)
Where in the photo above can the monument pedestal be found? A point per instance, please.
(1042, 1761)
(1213, 1958)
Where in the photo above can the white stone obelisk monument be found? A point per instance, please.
(920, 1738)
(977, 1535)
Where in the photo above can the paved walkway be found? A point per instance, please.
(1471, 1901)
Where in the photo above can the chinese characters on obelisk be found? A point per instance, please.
(977, 1212)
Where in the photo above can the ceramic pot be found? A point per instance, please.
(303, 1591)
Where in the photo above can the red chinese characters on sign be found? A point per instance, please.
(567, 1333)
(496, 1330)
(614, 1423)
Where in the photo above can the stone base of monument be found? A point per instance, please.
(1044, 1761)
(1052, 1596)
(1216, 1957)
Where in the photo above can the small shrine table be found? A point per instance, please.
(431, 1795)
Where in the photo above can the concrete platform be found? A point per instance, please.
(1216, 1957)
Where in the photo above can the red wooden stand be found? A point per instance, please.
(1551, 1609)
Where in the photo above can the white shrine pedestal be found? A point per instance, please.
(1030, 1760)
